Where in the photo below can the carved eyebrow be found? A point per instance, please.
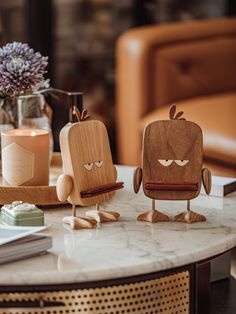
(176, 116)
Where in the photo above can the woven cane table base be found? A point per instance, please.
(166, 295)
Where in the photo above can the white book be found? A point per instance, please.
(11, 233)
(21, 242)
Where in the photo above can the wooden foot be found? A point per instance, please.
(79, 223)
(103, 215)
(153, 216)
(190, 217)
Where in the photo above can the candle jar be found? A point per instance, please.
(25, 157)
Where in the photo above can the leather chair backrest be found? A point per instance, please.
(193, 68)
(162, 64)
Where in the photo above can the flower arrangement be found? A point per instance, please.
(21, 70)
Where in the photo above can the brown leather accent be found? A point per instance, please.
(192, 69)
(192, 64)
(220, 169)
(102, 189)
(171, 186)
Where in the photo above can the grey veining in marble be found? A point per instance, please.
(127, 247)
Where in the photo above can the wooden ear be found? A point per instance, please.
(206, 180)
(172, 112)
(137, 179)
(64, 187)
(77, 112)
(175, 116)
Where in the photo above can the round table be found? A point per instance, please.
(123, 267)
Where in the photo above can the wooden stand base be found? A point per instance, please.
(79, 223)
(153, 216)
(103, 215)
(39, 195)
(189, 217)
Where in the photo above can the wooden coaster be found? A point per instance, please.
(153, 216)
(103, 215)
(79, 223)
(38, 195)
(189, 217)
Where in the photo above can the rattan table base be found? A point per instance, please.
(166, 295)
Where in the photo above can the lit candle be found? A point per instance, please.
(25, 157)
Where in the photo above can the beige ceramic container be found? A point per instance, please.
(25, 157)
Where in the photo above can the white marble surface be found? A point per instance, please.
(127, 247)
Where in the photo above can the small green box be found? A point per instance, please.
(22, 214)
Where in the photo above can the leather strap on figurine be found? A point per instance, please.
(102, 189)
(171, 186)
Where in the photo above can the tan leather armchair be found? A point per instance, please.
(192, 64)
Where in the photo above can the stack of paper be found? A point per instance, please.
(21, 242)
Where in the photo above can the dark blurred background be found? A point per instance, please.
(79, 36)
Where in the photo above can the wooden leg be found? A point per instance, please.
(153, 204)
(188, 205)
(73, 210)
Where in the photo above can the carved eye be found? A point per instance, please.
(99, 163)
(88, 166)
(181, 162)
(165, 162)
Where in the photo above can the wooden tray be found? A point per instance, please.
(39, 195)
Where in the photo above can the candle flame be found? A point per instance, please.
(33, 133)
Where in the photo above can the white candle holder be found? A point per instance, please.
(25, 157)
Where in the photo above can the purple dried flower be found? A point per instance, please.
(21, 69)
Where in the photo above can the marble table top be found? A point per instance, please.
(127, 247)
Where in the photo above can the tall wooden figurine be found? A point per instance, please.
(89, 176)
(172, 166)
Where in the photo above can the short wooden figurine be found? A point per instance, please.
(172, 166)
(89, 176)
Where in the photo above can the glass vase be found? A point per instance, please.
(34, 112)
(5, 117)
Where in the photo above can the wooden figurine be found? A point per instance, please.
(89, 176)
(172, 166)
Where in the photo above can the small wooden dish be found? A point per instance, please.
(38, 195)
